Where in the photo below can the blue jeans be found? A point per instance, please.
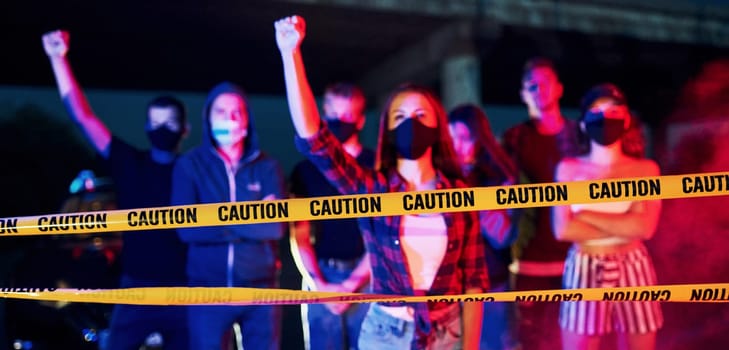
(259, 326)
(327, 331)
(131, 324)
(382, 331)
(498, 331)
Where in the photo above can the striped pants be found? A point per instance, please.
(625, 269)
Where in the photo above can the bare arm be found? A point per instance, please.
(359, 276)
(639, 222)
(304, 254)
(572, 228)
(472, 321)
(341, 169)
(306, 261)
(290, 32)
(567, 225)
(56, 46)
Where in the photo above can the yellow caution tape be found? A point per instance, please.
(367, 205)
(710, 292)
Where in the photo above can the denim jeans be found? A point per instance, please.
(324, 330)
(498, 331)
(381, 330)
(259, 326)
(131, 324)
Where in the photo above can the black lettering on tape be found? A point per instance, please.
(439, 200)
(74, 222)
(549, 297)
(645, 295)
(705, 183)
(253, 211)
(157, 217)
(625, 189)
(532, 194)
(345, 206)
(8, 226)
(709, 294)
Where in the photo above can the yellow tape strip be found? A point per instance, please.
(367, 205)
(710, 292)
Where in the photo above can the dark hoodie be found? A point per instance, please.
(239, 255)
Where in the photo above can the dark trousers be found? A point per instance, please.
(538, 321)
(131, 324)
(327, 331)
(259, 325)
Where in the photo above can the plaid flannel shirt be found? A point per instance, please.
(463, 265)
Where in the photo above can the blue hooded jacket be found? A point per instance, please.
(236, 254)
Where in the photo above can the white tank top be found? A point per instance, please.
(606, 207)
(424, 239)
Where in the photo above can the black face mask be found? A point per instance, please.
(342, 130)
(412, 138)
(164, 139)
(605, 131)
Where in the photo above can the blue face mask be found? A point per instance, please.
(412, 138)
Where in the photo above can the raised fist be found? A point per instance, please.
(56, 43)
(290, 32)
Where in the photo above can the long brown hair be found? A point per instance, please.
(493, 166)
(444, 157)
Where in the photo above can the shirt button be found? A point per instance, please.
(397, 242)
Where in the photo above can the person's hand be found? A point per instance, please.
(335, 308)
(290, 32)
(56, 43)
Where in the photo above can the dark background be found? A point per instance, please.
(191, 45)
(125, 51)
